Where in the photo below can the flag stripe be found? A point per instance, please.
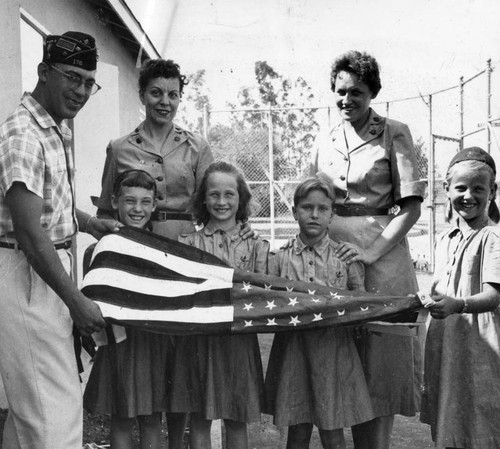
(134, 300)
(193, 262)
(148, 286)
(215, 314)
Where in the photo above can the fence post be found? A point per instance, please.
(271, 175)
(432, 194)
(461, 112)
(488, 100)
(205, 121)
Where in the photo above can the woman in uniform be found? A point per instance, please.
(371, 161)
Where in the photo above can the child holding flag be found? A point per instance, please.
(220, 377)
(315, 377)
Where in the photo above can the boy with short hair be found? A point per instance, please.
(315, 377)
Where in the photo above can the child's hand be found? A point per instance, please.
(445, 306)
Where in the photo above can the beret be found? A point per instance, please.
(473, 154)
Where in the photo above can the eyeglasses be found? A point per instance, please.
(75, 81)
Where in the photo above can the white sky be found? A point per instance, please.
(422, 46)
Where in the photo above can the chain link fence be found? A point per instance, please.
(273, 147)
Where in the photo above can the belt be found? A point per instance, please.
(359, 211)
(63, 245)
(162, 215)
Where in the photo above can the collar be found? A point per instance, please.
(372, 129)
(42, 117)
(232, 233)
(467, 229)
(176, 137)
(319, 247)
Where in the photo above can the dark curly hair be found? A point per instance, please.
(160, 68)
(361, 64)
(199, 208)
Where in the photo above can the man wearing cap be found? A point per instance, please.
(39, 302)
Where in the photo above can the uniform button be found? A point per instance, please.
(310, 248)
(311, 262)
(45, 225)
(373, 132)
(220, 245)
(376, 119)
(177, 138)
(159, 178)
(342, 178)
(159, 160)
(138, 140)
(311, 279)
(160, 197)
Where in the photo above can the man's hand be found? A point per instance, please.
(86, 315)
(98, 227)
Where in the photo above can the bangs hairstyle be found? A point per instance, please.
(134, 178)
(474, 165)
(199, 208)
(361, 64)
(315, 183)
(160, 68)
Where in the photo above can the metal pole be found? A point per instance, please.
(271, 175)
(488, 100)
(432, 200)
(461, 112)
(205, 121)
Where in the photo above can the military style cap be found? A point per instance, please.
(73, 48)
(473, 154)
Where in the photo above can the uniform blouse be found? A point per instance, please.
(177, 167)
(378, 171)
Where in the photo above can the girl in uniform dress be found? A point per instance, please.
(461, 399)
(220, 377)
(128, 378)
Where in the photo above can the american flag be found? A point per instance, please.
(145, 280)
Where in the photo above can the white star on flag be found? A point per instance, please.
(271, 305)
(364, 309)
(311, 292)
(340, 312)
(335, 295)
(268, 287)
(294, 320)
(271, 322)
(289, 289)
(293, 301)
(248, 323)
(315, 299)
(317, 317)
(246, 286)
(248, 307)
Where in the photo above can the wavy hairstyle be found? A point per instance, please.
(160, 68)
(361, 64)
(199, 208)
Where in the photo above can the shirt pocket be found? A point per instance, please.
(471, 265)
(243, 258)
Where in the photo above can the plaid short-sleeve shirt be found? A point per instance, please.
(35, 151)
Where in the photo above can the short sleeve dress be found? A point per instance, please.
(221, 377)
(376, 171)
(461, 399)
(177, 167)
(315, 376)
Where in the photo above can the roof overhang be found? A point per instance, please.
(117, 15)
